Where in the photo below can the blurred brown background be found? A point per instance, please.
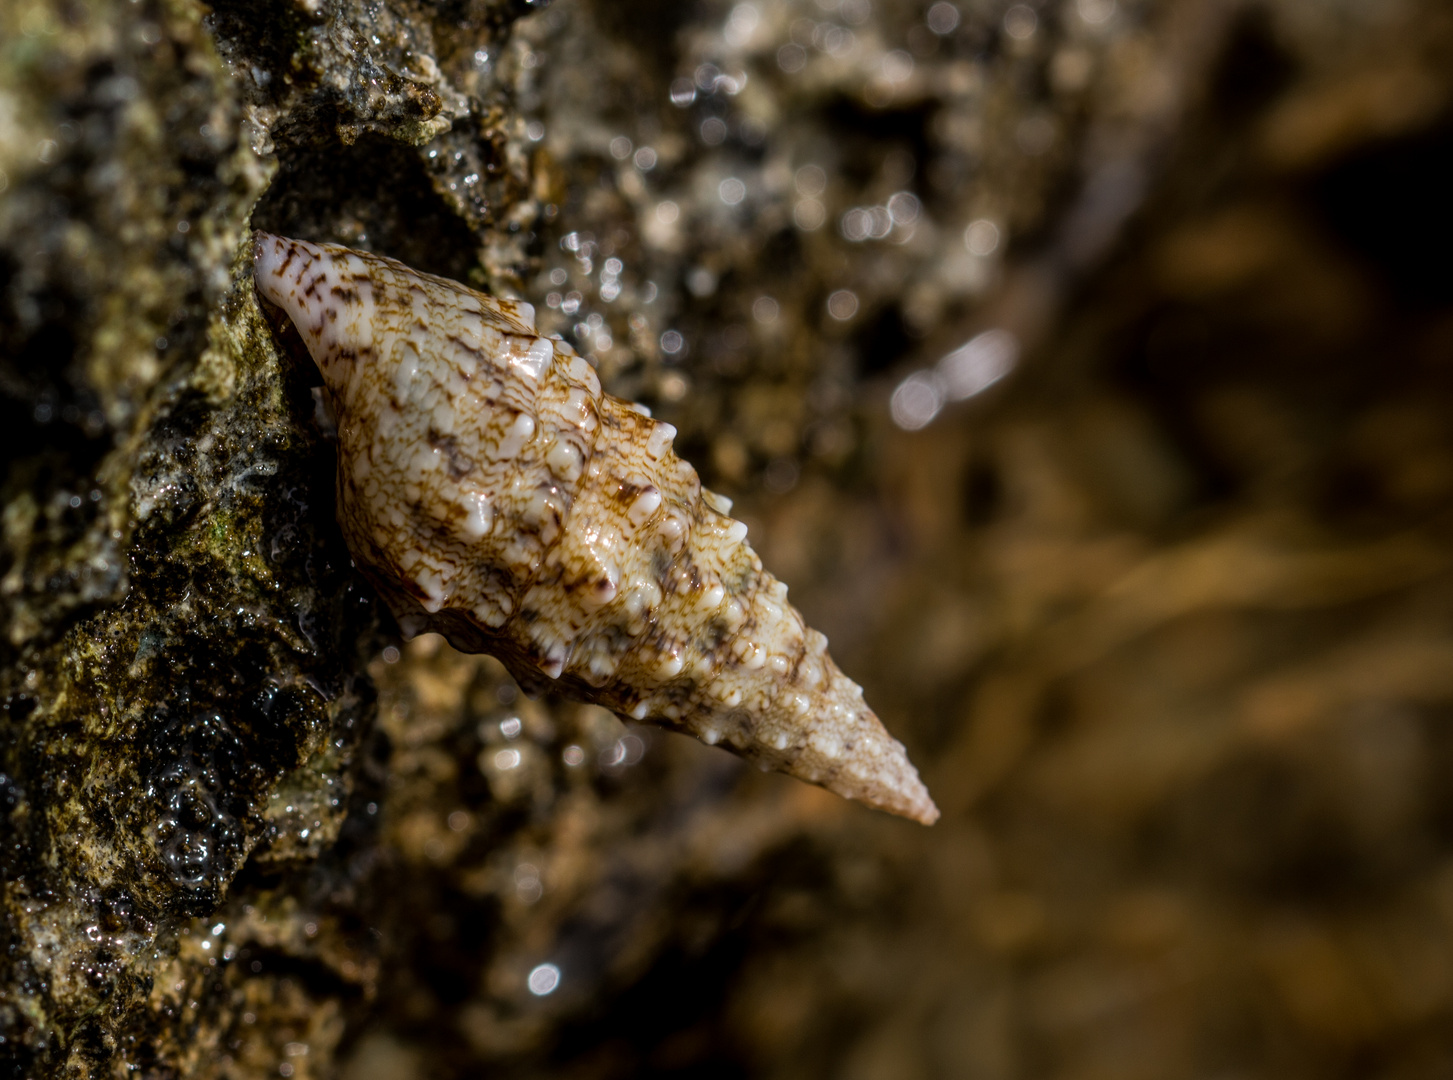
(1164, 615)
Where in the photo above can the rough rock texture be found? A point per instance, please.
(1165, 610)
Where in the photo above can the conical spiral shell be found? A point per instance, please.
(493, 493)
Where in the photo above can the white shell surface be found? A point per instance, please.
(493, 492)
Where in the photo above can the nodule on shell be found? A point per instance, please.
(493, 493)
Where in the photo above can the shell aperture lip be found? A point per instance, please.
(493, 493)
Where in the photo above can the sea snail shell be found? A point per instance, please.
(492, 493)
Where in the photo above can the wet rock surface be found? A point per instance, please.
(1154, 578)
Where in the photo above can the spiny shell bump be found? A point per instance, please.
(493, 493)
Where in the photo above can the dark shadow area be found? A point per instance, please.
(373, 194)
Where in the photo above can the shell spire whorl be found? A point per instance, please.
(493, 493)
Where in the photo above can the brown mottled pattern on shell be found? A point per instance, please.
(494, 494)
